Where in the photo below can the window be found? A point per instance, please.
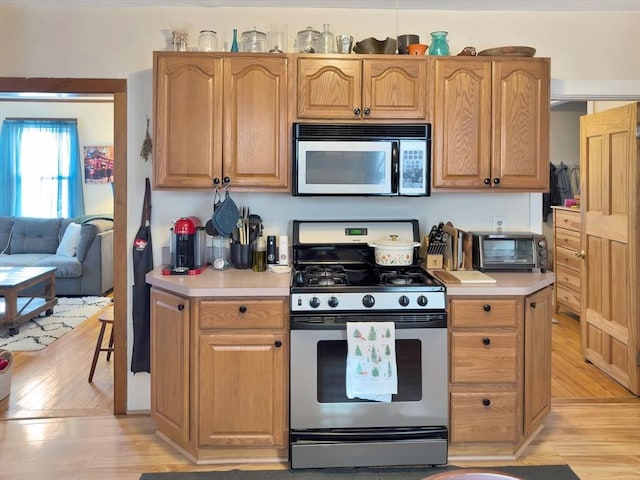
(40, 172)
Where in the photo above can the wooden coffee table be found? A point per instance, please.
(25, 292)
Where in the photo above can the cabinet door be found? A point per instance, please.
(329, 88)
(187, 147)
(256, 136)
(520, 155)
(395, 89)
(462, 123)
(170, 365)
(241, 398)
(537, 359)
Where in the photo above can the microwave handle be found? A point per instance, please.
(395, 166)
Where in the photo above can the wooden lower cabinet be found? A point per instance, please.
(500, 371)
(227, 398)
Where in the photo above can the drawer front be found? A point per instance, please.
(568, 297)
(242, 313)
(484, 313)
(568, 239)
(484, 357)
(567, 258)
(568, 220)
(568, 278)
(484, 417)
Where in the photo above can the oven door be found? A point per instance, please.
(337, 167)
(318, 381)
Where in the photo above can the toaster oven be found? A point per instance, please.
(509, 251)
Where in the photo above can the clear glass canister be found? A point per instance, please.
(307, 40)
(254, 41)
(208, 41)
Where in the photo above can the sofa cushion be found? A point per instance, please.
(69, 244)
(35, 235)
(22, 259)
(66, 267)
(6, 224)
(88, 232)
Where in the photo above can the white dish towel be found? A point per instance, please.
(372, 373)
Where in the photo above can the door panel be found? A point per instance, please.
(611, 274)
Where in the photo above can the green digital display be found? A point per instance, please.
(355, 231)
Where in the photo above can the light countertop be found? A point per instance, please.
(223, 283)
(507, 283)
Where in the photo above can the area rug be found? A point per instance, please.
(41, 331)
(529, 472)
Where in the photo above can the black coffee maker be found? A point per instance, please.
(186, 247)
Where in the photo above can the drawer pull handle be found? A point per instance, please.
(356, 111)
(580, 254)
(486, 307)
(278, 344)
(533, 304)
(180, 307)
(486, 341)
(486, 402)
(243, 309)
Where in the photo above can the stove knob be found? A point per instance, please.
(368, 301)
(314, 302)
(422, 300)
(404, 300)
(333, 302)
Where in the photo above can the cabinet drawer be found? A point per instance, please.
(484, 357)
(484, 417)
(568, 239)
(242, 313)
(568, 297)
(488, 312)
(568, 278)
(567, 258)
(568, 220)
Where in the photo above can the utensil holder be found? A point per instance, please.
(5, 375)
(241, 255)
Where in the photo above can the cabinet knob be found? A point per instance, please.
(580, 254)
(486, 307)
(496, 181)
(367, 111)
(278, 343)
(356, 111)
(486, 402)
(487, 181)
(533, 304)
(243, 309)
(180, 307)
(486, 341)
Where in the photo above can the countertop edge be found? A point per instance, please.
(507, 284)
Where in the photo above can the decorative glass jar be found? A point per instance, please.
(439, 44)
(208, 41)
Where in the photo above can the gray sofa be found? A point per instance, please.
(27, 241)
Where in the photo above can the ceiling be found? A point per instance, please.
(468, 5)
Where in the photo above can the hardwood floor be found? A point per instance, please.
(594, 425)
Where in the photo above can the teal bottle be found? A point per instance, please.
(439, 45)
(234, 43)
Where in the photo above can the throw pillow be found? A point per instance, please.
(69, 244)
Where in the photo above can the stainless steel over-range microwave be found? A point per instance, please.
(361, 159)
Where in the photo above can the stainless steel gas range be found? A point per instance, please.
(335, 284)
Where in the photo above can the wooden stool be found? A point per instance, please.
(468, 474)
(106, 317)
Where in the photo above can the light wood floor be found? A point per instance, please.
(594, 425)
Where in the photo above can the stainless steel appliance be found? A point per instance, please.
(509, 251)
(335, 281)
(362, 159)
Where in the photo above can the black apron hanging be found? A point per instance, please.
(142, 263)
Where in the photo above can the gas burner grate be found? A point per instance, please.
(325, 276)
(402, 277)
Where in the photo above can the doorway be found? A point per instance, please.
(117, 88)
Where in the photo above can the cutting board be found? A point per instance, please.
(463, 276)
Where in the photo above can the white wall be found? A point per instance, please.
(95, 127)
(118, 43)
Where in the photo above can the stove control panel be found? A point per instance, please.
(343, 302)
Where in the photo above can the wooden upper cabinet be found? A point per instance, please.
(370, 88)
(221, 115)
(491, 124)
(187, 150)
